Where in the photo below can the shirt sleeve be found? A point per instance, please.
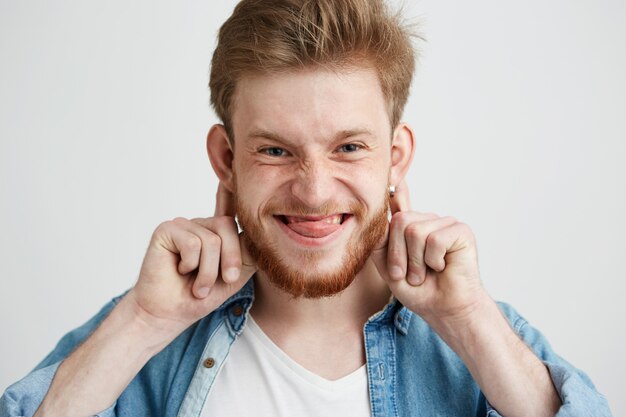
(578, 394)
(24, 397)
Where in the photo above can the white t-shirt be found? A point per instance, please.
(259, 379)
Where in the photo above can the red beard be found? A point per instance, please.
(307, 281)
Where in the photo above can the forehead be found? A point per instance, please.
(310, 103)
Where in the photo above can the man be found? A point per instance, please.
(323, 305)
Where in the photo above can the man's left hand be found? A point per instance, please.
(430, 263)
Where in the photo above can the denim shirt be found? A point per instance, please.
(411, 371)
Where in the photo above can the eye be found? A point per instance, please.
(274, 151)
(350, 147)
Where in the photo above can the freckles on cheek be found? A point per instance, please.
(255, 176)
(371, 176)
(254, 184)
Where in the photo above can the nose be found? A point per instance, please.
(314, 184)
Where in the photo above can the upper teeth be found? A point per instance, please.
(332, 219)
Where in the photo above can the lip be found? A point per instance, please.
(307, 218)
(314, 241)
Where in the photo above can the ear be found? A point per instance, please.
(220, 152)
(402, 148)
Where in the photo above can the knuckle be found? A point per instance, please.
(393, 221)
(399, 218)
(400, 221)
(400, 215)
(465, 228)
(212, 240)
(412, 231)
(198, 220)
(429, 216)
(193, 243)
(163, 228)
(433, 239)
(179, 220)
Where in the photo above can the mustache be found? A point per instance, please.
(294, 208)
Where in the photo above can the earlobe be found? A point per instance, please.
(221, 155)
(402, 149)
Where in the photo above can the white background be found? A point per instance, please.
(519, 110)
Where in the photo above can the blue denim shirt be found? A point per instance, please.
(411, 371)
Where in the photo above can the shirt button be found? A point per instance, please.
(238, 310)
(209, 362)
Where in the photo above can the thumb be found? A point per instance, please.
(400, 201)
(248, 264)
(248, 269)
(379, 255)
(224, 202)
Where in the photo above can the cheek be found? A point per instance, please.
(370, 179)
(374, 186)
(255, 188)
(260, 180)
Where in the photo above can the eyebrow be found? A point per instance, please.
(342, 134)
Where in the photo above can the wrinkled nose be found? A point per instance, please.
(314, 185)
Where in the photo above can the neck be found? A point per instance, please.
(324, 335)
(274, 308)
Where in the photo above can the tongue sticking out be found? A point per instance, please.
(314, 226)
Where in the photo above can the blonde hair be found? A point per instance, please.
(270, 36)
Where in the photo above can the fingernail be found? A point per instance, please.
(414, 279)
(396, 272)
(202, 292)
(231, 274)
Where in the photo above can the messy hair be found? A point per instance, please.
(272, 36)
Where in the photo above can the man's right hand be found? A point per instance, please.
(184, 257)
(191, 267)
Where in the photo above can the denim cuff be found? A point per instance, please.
(491, 412)
(109, 412)
(576, 391)
(24, 397)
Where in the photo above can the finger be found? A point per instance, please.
(401, 200)
(230, 251)
(379, 254)
(248, 265)
(183, 243)
(417, 235)
(230, 256)
(224, 202)
(209, 261)
(227, 289)
(397, 256)
(446, 241)
(208, 268)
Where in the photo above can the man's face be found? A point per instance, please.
(311, 163)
